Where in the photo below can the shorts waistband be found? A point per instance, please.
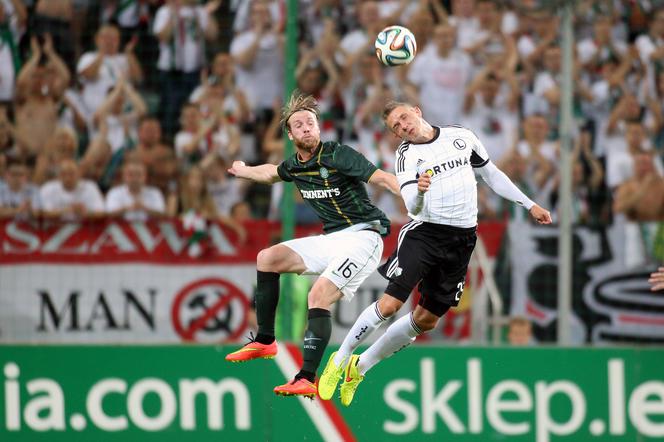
(453, 229)
(370, 229)
(374, 226)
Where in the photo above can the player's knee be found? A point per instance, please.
(388, 306)
(425, 320)
(267, 260)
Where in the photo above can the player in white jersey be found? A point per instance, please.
(436, 168)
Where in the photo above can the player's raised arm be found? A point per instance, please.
(265, 173)
(412, 192)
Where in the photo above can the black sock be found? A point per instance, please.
(267, 298)
(311, 377)
(316, 338)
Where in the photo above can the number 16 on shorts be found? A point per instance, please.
(346, 269)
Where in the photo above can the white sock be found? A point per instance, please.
(368, 321)
(397, 336)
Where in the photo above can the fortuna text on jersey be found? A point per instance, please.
(448, 165)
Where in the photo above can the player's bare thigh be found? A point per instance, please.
(323, 294)
(280, 259)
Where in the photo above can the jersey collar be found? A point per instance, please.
(316, 154)
(436, 134)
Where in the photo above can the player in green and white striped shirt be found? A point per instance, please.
(330, 176)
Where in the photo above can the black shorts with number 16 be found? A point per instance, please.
(436, 257)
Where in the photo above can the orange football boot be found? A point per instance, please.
(253, 350)
(297, 387)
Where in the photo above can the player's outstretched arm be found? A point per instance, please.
(503, 186)
(386, 180)
(265, 173)
(657, 280)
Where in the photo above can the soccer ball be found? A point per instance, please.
(395, 45)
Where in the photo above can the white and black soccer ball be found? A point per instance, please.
(395, 45)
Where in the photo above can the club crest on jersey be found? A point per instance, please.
(459, 144)
(324, 173)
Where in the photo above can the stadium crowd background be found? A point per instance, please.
(135, 108)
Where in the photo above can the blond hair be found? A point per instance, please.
(298, 102)
(390, 106)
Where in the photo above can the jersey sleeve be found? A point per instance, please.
(284, 174)
(405, 167)
(352, 163)
(479, 156)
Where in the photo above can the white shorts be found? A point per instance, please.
(345, 258)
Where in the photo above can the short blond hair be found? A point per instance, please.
(298, 102)
(391, 105)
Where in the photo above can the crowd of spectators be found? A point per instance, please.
(135, 108)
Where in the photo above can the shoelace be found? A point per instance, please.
(251, 337)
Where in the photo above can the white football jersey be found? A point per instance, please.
(449, 158)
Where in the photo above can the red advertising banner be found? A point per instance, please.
(159, 242)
